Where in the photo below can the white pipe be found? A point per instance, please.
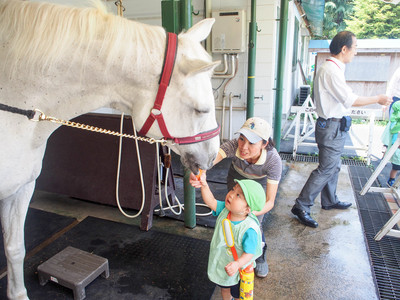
(225, 66)
(239, 108)
(230, 114)
(208, 14)
(233, 71)
(223, 117)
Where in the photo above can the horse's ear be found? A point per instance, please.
(195, 66)
(200, 30)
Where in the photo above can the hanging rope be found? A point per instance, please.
(120, 8)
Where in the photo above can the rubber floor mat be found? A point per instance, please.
(143, 265)
(39, 226)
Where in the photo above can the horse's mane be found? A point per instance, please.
(37, 35)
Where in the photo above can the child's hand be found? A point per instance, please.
(232, 268)
(199, 180)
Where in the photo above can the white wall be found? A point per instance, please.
(266, 16)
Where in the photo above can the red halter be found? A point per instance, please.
(156, 114)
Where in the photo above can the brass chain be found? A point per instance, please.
(43, 117)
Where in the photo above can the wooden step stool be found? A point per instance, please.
(74, 269)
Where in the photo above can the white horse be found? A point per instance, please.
(68, 61)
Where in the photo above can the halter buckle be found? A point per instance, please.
(156, 112)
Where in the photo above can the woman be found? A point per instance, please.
(253, 157)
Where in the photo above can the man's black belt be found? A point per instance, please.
(335, 119)
(332, 119)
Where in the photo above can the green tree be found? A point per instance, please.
(335, 15)
(375, 19)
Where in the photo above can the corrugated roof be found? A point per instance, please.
(363, 45)
(314, 10)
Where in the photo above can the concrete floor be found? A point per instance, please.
(329, 262)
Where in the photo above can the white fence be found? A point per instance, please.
(304, 124)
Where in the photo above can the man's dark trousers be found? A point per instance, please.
(330, 140)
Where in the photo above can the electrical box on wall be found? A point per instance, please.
(229, 32)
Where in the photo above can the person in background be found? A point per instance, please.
(393, 88)
(393, 91)
(389, 136)
(246, 197)
(253, 157)
(333, 97)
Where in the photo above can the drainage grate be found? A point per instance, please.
(314, 158)
(384, 254)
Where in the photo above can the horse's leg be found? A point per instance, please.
(12, 213)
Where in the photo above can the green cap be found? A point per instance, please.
(253, 193)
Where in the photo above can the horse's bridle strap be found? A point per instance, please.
(156, 114)
(199, 137)
(168, 66)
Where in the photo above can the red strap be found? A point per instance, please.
(168, 66)
(199, 137)
(156, 114)
(334, 63)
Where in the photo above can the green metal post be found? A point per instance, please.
(188, 191)
(251, 71)
(281, 72)
(170, 15)
(186, 15)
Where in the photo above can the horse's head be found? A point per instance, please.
(188, 107)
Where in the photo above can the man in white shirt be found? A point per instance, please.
(393, 88)
(333, 97)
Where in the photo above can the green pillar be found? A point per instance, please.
(176, 16)
(281, 72)
(186, 15)
(189, 191)
(251, 71)
(170, 15)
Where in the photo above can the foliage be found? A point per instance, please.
(375, 19)
(335, 15)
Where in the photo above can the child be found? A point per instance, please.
(245, 197)
(389, 136)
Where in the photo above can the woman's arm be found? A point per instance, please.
(272, 189)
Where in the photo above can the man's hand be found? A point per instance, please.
(384, 100)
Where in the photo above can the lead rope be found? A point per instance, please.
(120, 9)
(170, 207)
(119, 168)
(179, 204)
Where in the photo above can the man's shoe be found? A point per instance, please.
(339, 205)
(304, 217)
(261, 269)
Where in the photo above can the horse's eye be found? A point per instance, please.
(202, 111)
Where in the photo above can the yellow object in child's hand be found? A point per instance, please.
(199, 175)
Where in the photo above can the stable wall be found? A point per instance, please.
(267, 17)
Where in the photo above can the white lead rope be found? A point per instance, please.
(171, 207)
(119, 167)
